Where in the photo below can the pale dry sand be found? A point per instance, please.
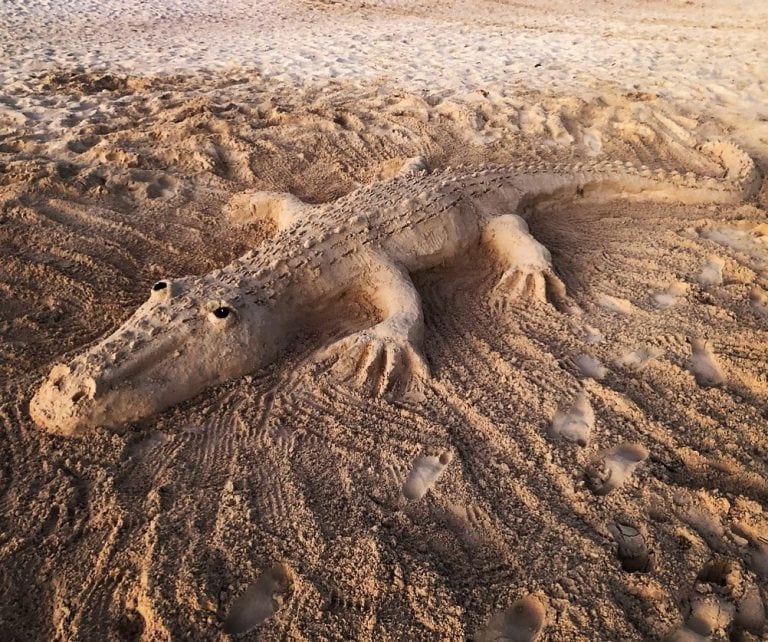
(304, 508)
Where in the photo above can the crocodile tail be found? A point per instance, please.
(741, 173)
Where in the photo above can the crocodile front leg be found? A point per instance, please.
(528, 273)
(385, 358)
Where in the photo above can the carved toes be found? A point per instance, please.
(555, 288)
(526, 285)
(379, 366)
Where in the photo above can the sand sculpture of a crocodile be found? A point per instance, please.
(197, 332)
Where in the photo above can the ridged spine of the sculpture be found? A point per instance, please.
(197, 332)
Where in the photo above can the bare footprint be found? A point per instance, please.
(707, 524)
(704, 364)
(710, 608)
(746, 237)
(592, 335)
(521, 622)
(589, 366)
(613, 467)
(671, 296)
(260, 600)
(750, 612)
(712, 272)
(711, 605)
(413, 165)
(633, 552)
(425, 472)
(683, 635)
(757, 553)
(615, 304)
(575, 423)
(637, 360)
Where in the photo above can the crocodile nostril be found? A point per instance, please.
(78, 396)
(160, 285)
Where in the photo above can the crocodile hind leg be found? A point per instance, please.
(528, 273)
(385, 358)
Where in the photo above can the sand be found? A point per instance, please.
(131, 136)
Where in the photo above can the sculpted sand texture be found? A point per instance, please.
(194, 333)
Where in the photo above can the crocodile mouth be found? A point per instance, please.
(77, 397)
(62, 401)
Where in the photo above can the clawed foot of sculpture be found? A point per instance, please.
(528, 284)
(382, 363)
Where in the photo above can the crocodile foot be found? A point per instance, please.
(526, 284)
(377, 361)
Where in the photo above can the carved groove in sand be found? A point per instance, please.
(197, 332)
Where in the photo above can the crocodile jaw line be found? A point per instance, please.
(87, 393)
(108, 389)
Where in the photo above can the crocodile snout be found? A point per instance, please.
(64, 403)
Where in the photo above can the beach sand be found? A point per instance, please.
(599, 476)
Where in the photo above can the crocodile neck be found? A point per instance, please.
(282, 274)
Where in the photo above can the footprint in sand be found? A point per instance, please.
(633, 552)
(615, 304)
(757, 553)
(260, 600)
(574, 423)
(521, 622)
(750, 612)
(711, 606)
(613, 467)
(746, 237)
(425, 472)
(704, 364)
(671, 296)
(712, 272)
(637, 360)
(683, 635)
(589, 366)
(592, 335)
(758, 301)
(707, 524)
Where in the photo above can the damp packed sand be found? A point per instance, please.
(591, 473)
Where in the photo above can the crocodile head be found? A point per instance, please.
(192, 333)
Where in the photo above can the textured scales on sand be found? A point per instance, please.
(197, 332)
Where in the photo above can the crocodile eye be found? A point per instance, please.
(161, 291)
(221, 314)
